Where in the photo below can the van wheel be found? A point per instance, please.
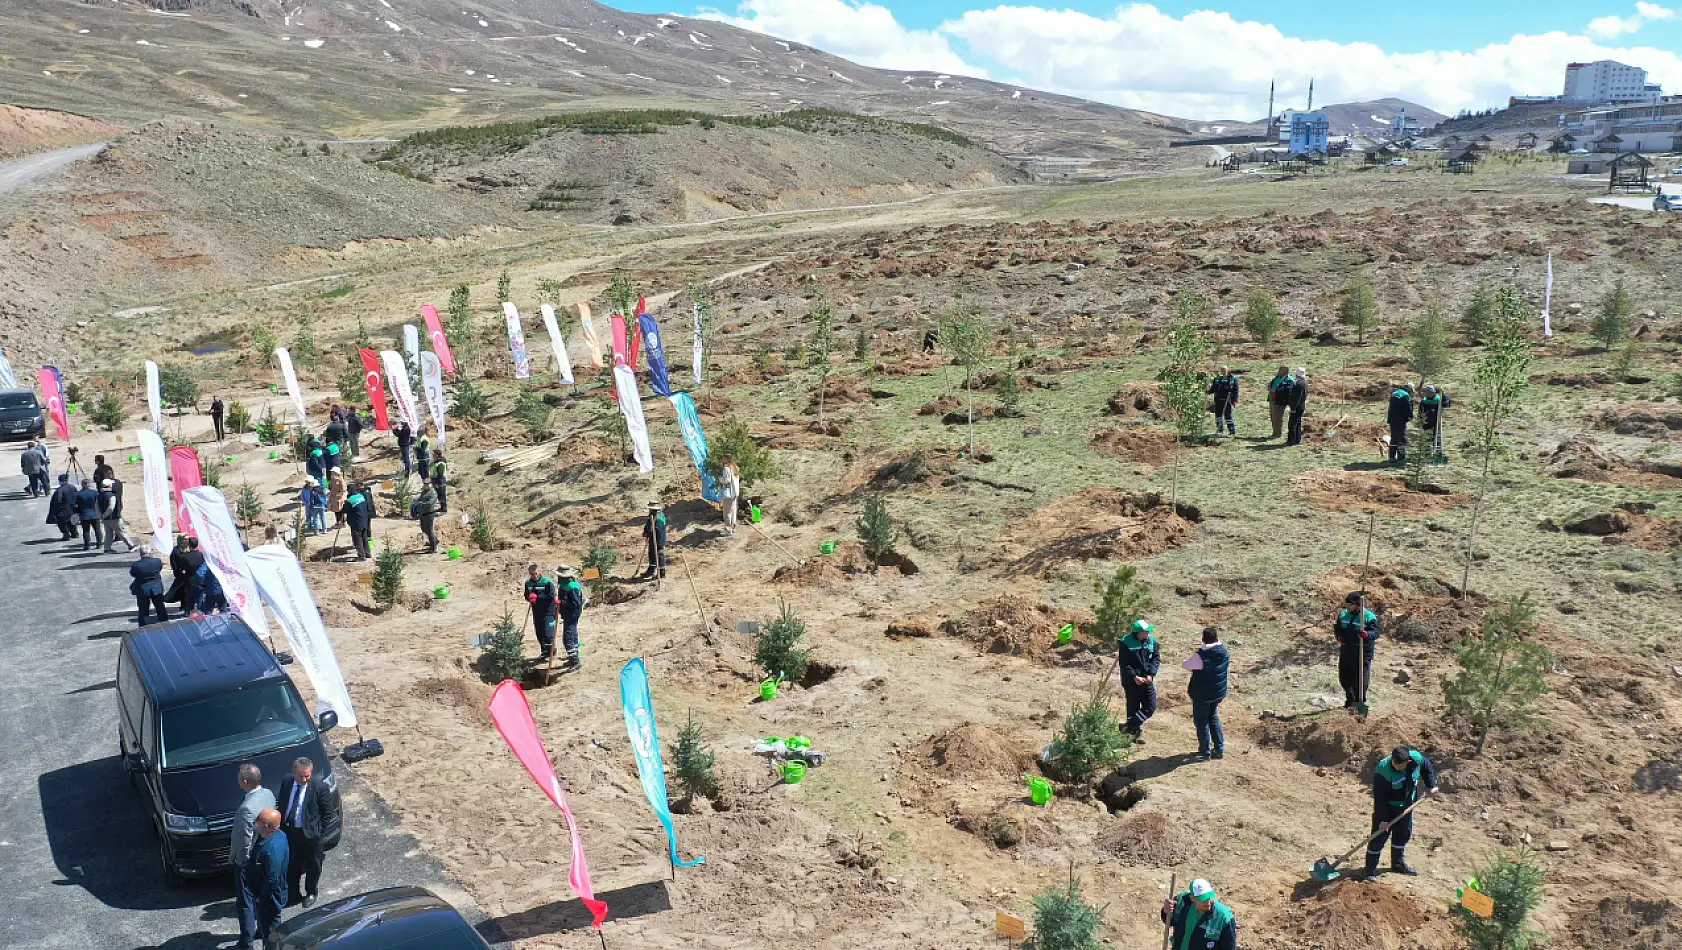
(172, 879)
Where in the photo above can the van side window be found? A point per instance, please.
(148, 734)
(128, 687)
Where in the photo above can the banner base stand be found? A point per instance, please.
(366, 749)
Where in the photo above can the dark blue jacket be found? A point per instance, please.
(87, 504)
(1225, 390)
(1348, 633)
(572, 600)
(1138, 658)
(1209, 683)
(148, 577)
(1429, 407)
(62, 505)
(659, 521)
(359, 511)
(1401, 408)
(268, 875)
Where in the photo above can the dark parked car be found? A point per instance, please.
(196, 698)
(21, 416)
(411, 918)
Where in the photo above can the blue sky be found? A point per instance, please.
(1214, 61)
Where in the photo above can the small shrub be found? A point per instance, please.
(602, 558)
(732, 443)
(1624, 364)
(1611, 322)
(1091, 740)
(776, 649)
(1261, 316)
(1063, 920)
(177, 387)
(304, 351)
(108, 413)
(484, 530)
(388, 576)
(1501, 675)
(504, 286)
(1010, 397)
(300, 531)
(1514, 883)
(248, 505)
(505, 654)
(263, 343)
(876, 530)
(73, 393)
(1122, 600)
(1359, 308)
(1478, 319)
(402, 493)
(210, 471)
(861, 346)
(471, 403)
(239, 417)
(533, 414)
(270, 431)
(353, 384)
(692, 762)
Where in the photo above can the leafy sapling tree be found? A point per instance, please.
(1610, 325)
(1358, 308)
(504, 287)
(861, 346)
(621, 295)
(548, 290)
(777, 648)
(388, 576)
(964, 335)
(178, 388)
(613, 425)
(462, 326)
(876, 530)
(300, 531)
(352, 383)
(364, 339)
(1122, 600)
(1091, 741)
(248, 505)
(1428, 345)
(263, 345)
(470, 402)
(1183, 380)
(505, 653)
(1624, 365)
(1261, 316)
(239, 417)
(1501, 673)
(692, 763)
(402, 493)
(1478, 319)
(108, 413)
(1498, 384)
(1063, 920)
(1010, 396)
(817, 351)
(1514, 884)
(1417, 475)
(733, 443)
(484, 528)
(304, 351)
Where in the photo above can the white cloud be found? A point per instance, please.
(1652, 11)
(1612, 27)
(1204, 65)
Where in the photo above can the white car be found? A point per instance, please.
(1397, 162)
(1670, 201)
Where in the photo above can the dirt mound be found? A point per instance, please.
(1016, 626)
(1155, 839)
(1579, 458)
(1573, 380)
(1652, 923)
(1144, 444)
(1654, 421)
(1628, 523)
(849, 559)
(971, 751)
(840, 391)
(1356, 915)
(1334, 738)
(941, 407)
(1112, 524)
(1141, 398)
(1340, 490)
(817, 571)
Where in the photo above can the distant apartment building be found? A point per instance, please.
(1310, 133)
(1643, 128)
(1607, 82)
(1403, 127)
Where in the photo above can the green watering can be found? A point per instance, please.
(71, 408)
(828, 547)
(768, 690)
(793, 772)
(1066, 633)
(1038, 789)
(133, 459)
(232, 460)
(273, 455)
(453, 554)
(441, 591)
(753, 512)
(272, 388)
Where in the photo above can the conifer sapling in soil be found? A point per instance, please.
(388, 576)
(876, 530)
(505, 654)
(692, 763)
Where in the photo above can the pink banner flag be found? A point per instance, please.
(621, 341)
(435, 330)
(184, 472)
(52, 390)
(512, 715)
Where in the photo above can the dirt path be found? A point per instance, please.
(15, 174)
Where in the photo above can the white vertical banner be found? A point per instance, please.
(411, 343)
(8, 378)
(432, 382)
(592, 343)
(160, 508)
(154, 396)
(281, 583)
(291, 378)
(517, 341)
(397, 383)
(219, 539)
(1548, 300)
(563, 362)
(630, 403)
(697, 349)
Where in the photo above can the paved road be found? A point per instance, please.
(19, 172)
(78, 859)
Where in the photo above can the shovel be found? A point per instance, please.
(1360, 623)
(1326, 869)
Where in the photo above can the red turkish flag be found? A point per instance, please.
(376, 388)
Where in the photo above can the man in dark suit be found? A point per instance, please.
(61, 509)
(309, 814)
(268, 873)
(192, 560)
(148, 585)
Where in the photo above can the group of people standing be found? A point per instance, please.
(277, 847)
(193, 585)
(96, 507)
(1287, 400)
(1140, 659)
(1401, 411)
(328, 488)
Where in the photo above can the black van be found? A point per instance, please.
(21, 416)
(196, 698)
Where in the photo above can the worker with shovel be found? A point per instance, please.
(1431, 407)
(1197, 921)
(570, 595)
(1357, 640)
(540, 593)
(1396, 784)
(654, 532)
(1139, 658)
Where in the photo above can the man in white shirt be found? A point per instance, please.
(308, 812)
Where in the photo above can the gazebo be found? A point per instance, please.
(1629, 172)
(1462, 163)
(1527, 141)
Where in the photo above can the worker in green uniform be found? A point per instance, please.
(1397, 782)
(1197, 921)
(571, 598)
(540, 594)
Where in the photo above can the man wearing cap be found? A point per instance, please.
(1396, 784)
(1225, 390)
(654, 531)
(1431, 406)
(1398, 416)
(1139, 658)
(1279, 398)
(1197, 921)
(540, 593)
(359, 517)
(571, 597)
(1357, 632)
(1298, 405)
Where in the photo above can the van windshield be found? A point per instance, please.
(17, 401)
(235, 725)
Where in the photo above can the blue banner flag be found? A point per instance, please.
(690, 423)
(657, 376)
(645, 743)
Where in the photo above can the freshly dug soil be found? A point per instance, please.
(1340, 490)
(1015, 626)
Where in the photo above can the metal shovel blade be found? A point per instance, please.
(1325, 870)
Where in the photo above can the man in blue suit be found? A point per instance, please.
(268, 872)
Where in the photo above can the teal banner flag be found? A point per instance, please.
(689, 422)
(645, 743)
